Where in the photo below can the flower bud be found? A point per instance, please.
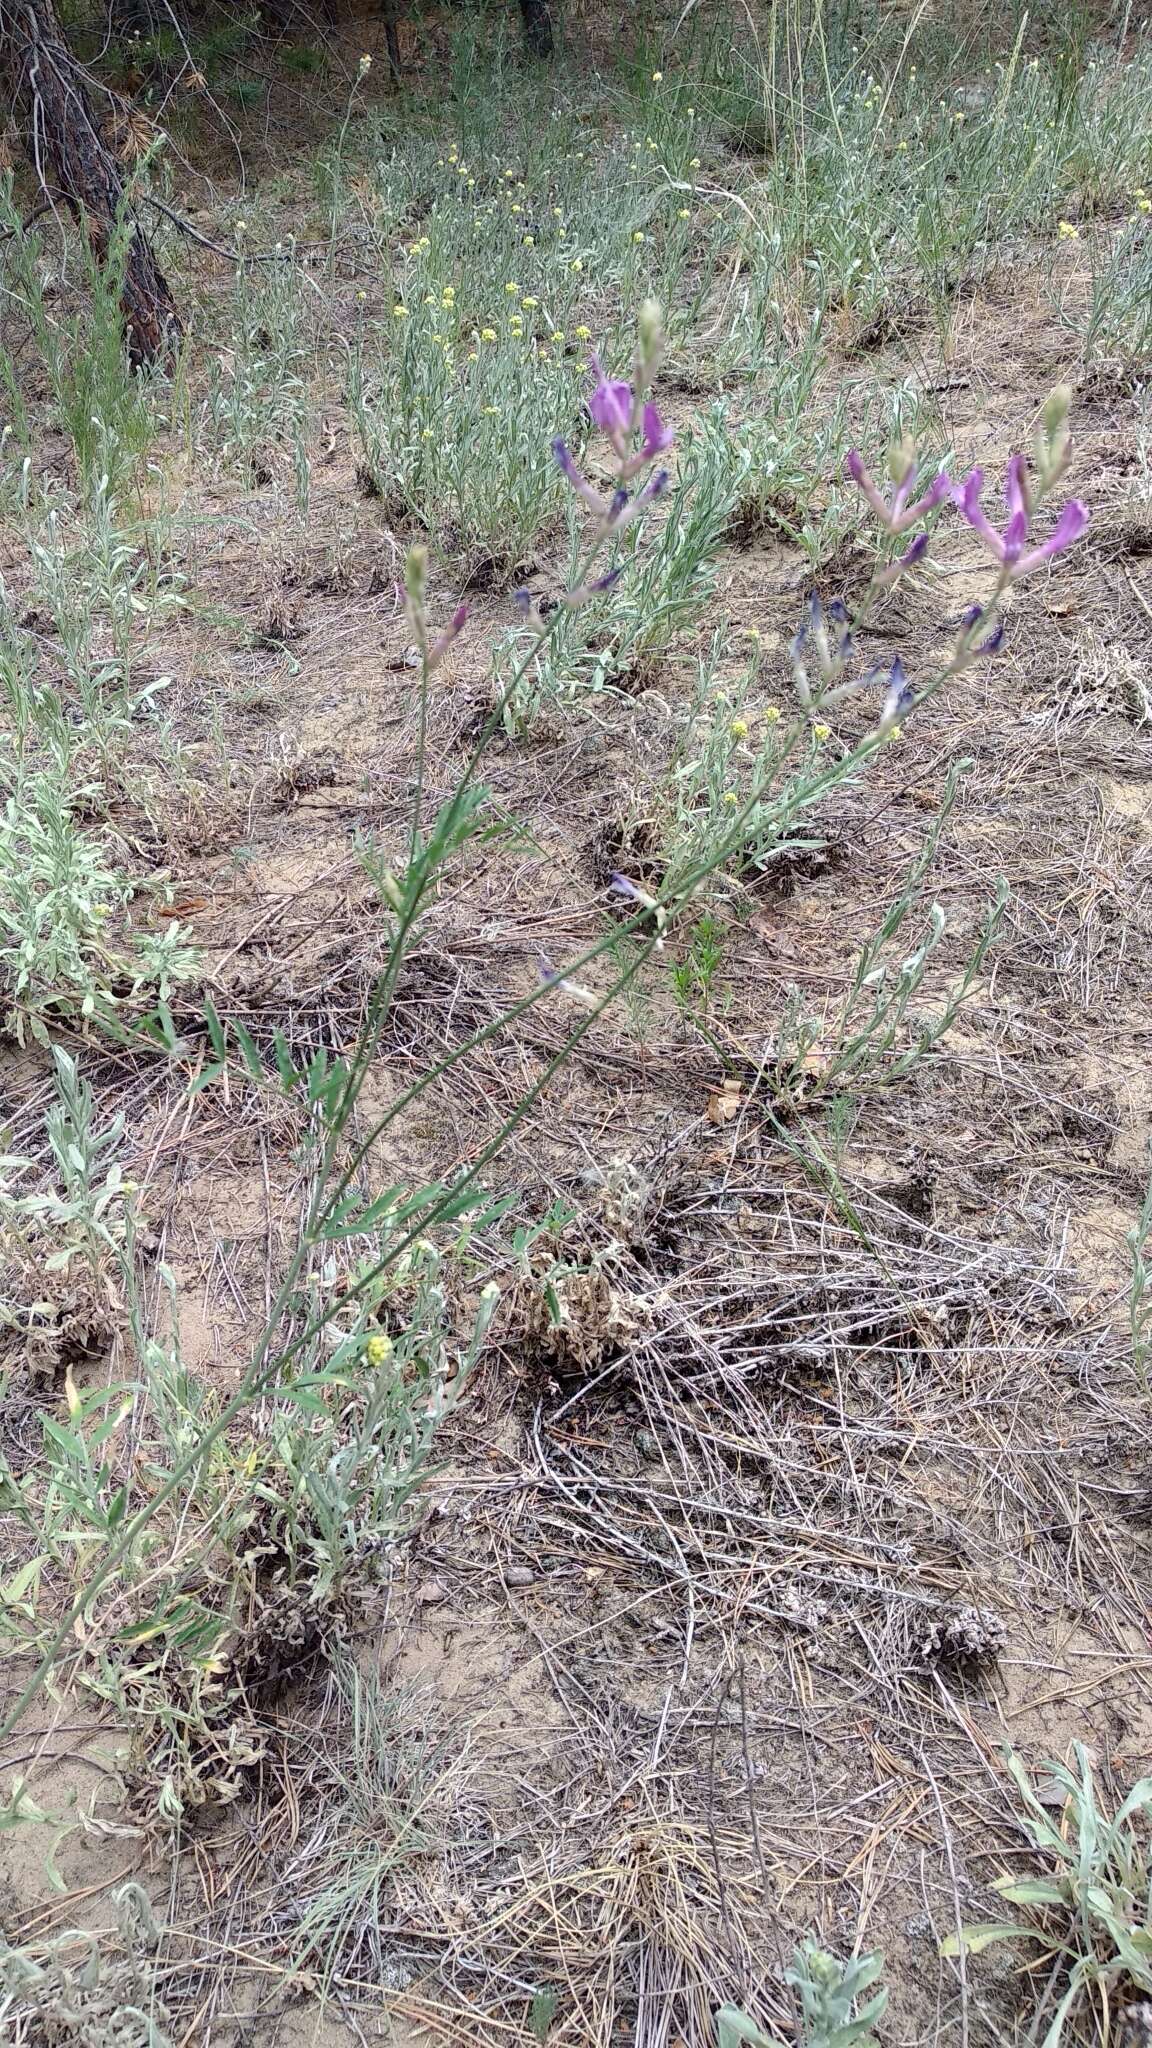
(650, 342)
(1054, 442)
(416, 574)
(901, 459)
(1057, 406)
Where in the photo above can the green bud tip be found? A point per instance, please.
(416, 573)
(901, 459)
(1057, 406)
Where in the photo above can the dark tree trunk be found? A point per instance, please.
(388, 9)
(73, 163)
(537, 27)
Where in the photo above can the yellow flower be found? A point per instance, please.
(427, 434)
(399, 312)
(490, 411)
(772, 714)
(583, 333)
(693, 163)
(820, 733)
(684, 213)
(472, 356)
(894, 732)
(365, 63)
(487, 334)
(529, 241)
(471, 182)
(513, 290)
(517, 209)
(1067, 231)
(448, 294)
(656, 77)
(377, 1349)
(360, 297)
(901, 145)
(651, 144)
(509, 174)
(730, 798)
(557, 213)
(557, 337)
(529, 304)
(543, 355)
(576, 265)
(639, 235)
(1144, 204)
(689, 111)
(429, 298)
(739, 729)
(241, 227)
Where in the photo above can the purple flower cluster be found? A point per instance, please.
(1008, 546)
(825, 635)
(633, 426)
(899, 515)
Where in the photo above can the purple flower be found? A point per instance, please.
(898, 516)
(583, 592)
(611, 406)
(551, 977)
(974, 616)
(621, 886)
(579, 483)
(829, 632)
(1008, 545)
(623, 509)
(908, 560)
(443, 641)
(899, 698)
(655, 438)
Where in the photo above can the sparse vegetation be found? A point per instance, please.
(573, 952)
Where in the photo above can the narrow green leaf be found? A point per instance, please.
(1031, 1891)
(249, 1052)
(982, 1934)
(216, 1031)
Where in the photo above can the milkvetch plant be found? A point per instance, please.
(354, 1383)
